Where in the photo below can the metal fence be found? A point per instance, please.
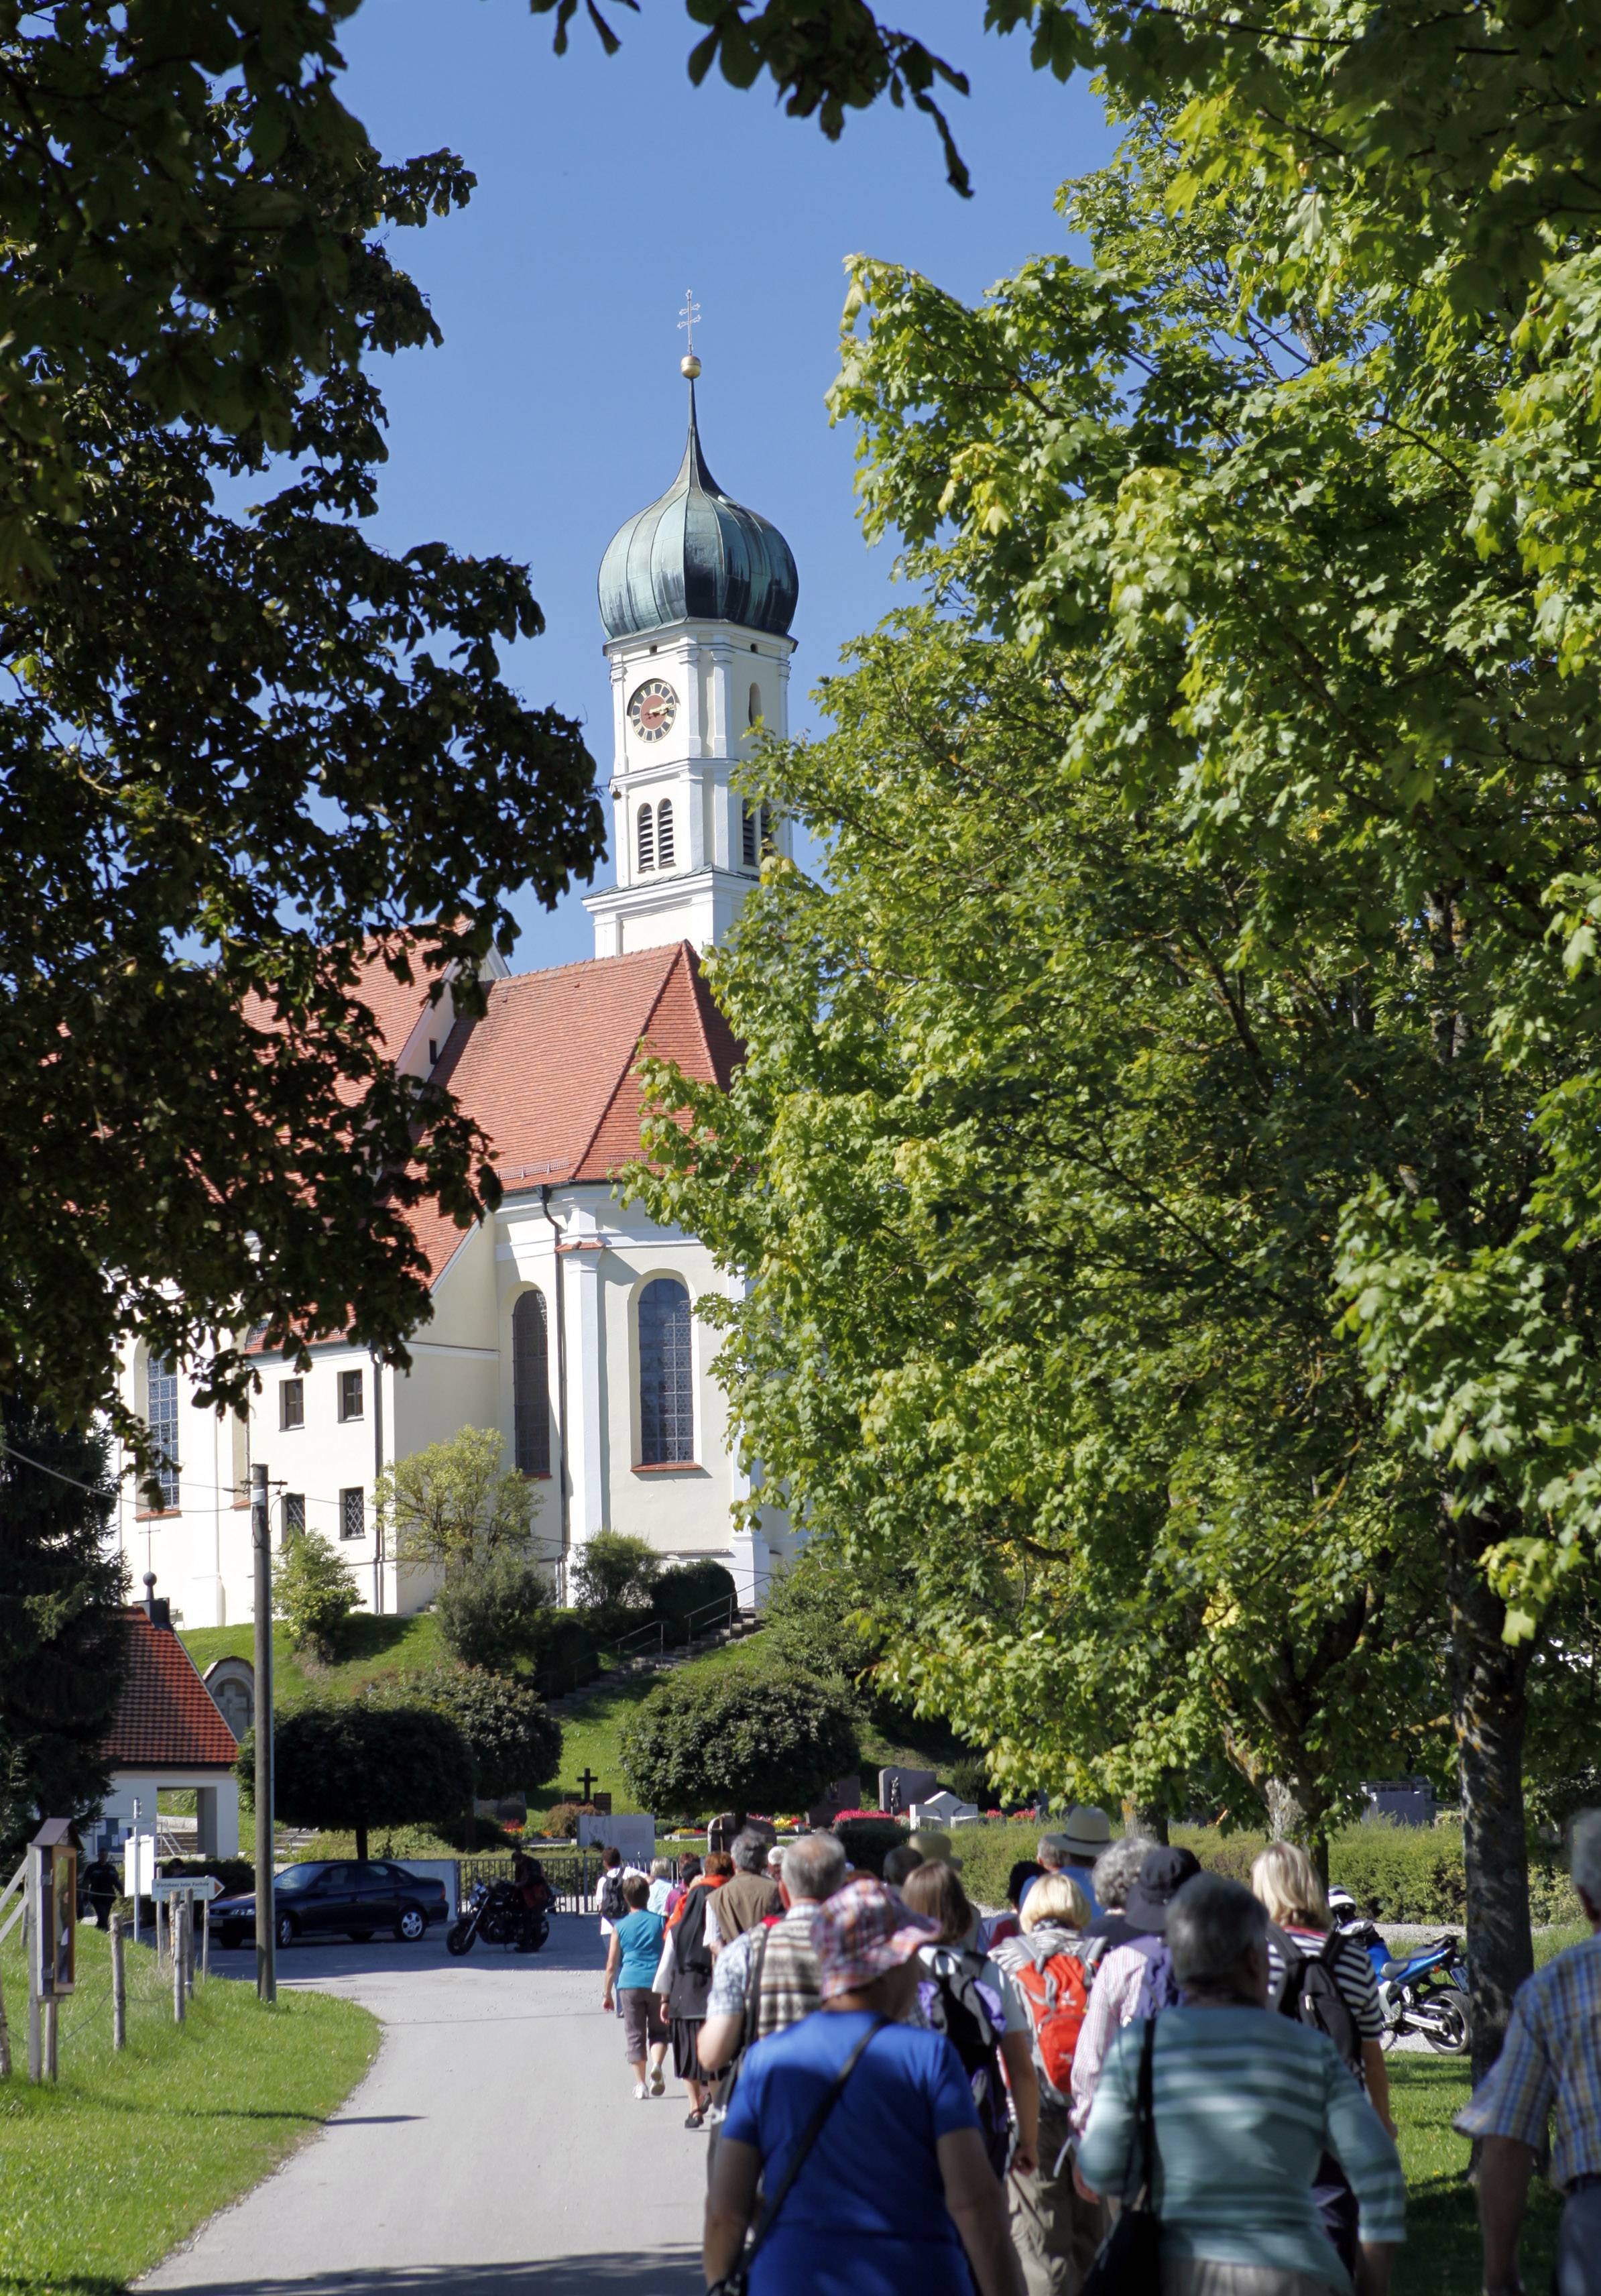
(572, 1873)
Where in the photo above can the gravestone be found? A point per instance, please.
(942, 1809)
(844, 1793)
(232, 1682)
(913, 1785)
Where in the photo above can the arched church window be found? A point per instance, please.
(667, 1379)
(664, 833)
(647, 838)
(755, 710)
(161, 1418)
(530, 1385)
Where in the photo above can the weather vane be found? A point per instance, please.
(689, 365)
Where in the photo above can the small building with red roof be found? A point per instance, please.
(567, 1320)
(168, 1734)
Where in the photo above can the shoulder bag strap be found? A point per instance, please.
(799, 2157)
(1146, 2111)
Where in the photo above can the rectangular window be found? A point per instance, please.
(161, 1418)
(350, 1395)
(353, 1513)
(291, 1403)
(294, 1513)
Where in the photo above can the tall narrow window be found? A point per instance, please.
(667, 1379)
(755, 708)
(291, 1403)
(161, 1418)
(664, 833)
(350, 1395)
(647, 838)
(294, 1515)
(530, 1386)
(353, 1515)
(752, 828)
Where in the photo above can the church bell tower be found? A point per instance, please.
(697, 596)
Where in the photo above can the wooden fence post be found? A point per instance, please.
(53, 2062)
(36, 2024)
(4, 2040)
(119, 1986)
(175, 1924)
(205, 1937)
(189, 1946)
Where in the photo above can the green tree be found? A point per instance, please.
(352, 1763)
(63, 1640)
(513, 1741)
(739, 1739)
(242, 751)
(454, 1503)
(315, 1594)
(493, 1612)
(616, 1576)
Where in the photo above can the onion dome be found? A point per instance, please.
(697, 556)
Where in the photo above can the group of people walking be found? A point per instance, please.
(902, 2097)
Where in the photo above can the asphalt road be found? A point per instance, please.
(496, 2148)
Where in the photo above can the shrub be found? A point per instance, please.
(356, 1765)
(691, 1586)
(491, 1613)
(815, 1619)
(562, 1817)
(869, 1840)
(314, 1594)
(513, 1741)
(739, 1740)
(616, 1578)
(566, 1652)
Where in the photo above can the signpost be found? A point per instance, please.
(266, 1939)
(51, 1938)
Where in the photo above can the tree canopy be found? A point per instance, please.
(737, 1739)
(455, 1504)
(63, 1640)
(244, 751)
(339, 1763)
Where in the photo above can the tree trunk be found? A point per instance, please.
(1144, 1818)
(361, 1840)
(1490, 1704)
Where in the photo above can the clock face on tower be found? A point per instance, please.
(653, 709)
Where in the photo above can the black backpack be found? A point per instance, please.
(610, 1901)
(1310, 1993)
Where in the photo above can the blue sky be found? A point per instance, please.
(606, 186)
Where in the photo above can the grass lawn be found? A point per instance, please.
(1441, 2254)
(378, 1646)
(101, 2175)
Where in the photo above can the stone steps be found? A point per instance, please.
(572, 1702)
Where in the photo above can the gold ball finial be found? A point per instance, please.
(689, 365)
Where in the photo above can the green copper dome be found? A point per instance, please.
(697, 556)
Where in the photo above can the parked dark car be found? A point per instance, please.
(339, 1898)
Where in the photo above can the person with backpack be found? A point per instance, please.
(1135, 1980)
(684, 1973)
(1323, 1979)
(1219, 2112)
(859, 2129)
(964, 1995)
(1055, 2230)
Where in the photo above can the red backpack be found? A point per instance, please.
(1057, 1994)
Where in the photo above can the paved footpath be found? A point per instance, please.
(495, 2149)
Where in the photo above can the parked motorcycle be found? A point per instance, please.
(1423, 1992)
(495, 1911)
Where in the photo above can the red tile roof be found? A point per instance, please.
(166, 1717)
(550, 1071)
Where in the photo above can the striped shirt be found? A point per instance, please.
(1245, 2106)
(1351, 1969)
(1551, 2057)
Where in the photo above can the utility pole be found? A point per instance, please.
(266, 1939)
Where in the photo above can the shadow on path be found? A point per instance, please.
(655, 2272)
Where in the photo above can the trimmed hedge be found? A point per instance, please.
(869, 1840)
(1396, 1873)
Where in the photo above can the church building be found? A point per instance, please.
(566, 1319)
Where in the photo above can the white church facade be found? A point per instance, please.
(566, 1319)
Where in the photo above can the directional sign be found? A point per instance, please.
(187, 1885)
